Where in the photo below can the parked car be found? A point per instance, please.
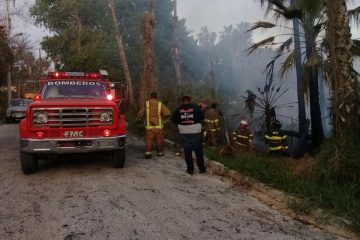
(16, 109)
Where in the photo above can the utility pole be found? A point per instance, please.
(7, 33)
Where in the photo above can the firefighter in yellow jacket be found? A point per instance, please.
(212, 125)
(155, 112)
(276, 139)
(242, 137)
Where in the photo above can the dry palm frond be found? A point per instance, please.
(313, 7)
(287, 64)
(293, 13)
(262, 25)
(227, 151)
(314, 60)
(285, 45)
(354, 15)
(355, 48)
(263, 43)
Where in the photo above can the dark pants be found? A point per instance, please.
(193, 142)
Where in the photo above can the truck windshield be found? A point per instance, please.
(74, 89)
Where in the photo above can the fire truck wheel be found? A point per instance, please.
(29, 163)
(118, 158)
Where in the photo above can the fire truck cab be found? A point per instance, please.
(73, 112)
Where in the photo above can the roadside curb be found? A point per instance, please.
(279, 200)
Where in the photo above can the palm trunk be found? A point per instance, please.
(78, 38)
(122, 54)
(148, 82)
(317, 131)
(343, 82)
(176, 44)
(299, 74)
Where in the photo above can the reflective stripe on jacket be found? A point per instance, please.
(276, 141)
(212, 122)
(243, 137)
(154, 112)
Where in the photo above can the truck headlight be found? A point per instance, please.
(41, 117)
(105, 117)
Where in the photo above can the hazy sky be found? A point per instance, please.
(218, 13)
(213, 13)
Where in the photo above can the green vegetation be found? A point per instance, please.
(319, 182)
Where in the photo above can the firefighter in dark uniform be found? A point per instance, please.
(212, 125)
(242, 137)
(276, 140)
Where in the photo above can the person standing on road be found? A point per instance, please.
(156, 112)
(188, 118)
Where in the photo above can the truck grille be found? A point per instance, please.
(72, 117)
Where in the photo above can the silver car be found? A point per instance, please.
(16, 109)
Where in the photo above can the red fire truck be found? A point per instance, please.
(74, 112)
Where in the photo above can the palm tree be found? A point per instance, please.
(340, 72)
(308, 15)
(122, 55)
(299, 74)
(206, 40)
(148, 80)
(176, 45)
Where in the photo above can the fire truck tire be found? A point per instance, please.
(118, 158)
(29, 163)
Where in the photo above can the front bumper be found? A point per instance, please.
(16, 115)
(73, 145)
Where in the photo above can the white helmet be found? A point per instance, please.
(244, 122)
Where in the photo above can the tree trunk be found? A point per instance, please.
(122, 54)
(176, 45)
(343, 82)
(317, 131)
(148, 82)
(78, 38)
(299, 74)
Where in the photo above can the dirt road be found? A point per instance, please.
(85, 198)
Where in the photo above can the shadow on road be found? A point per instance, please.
(90, 160)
